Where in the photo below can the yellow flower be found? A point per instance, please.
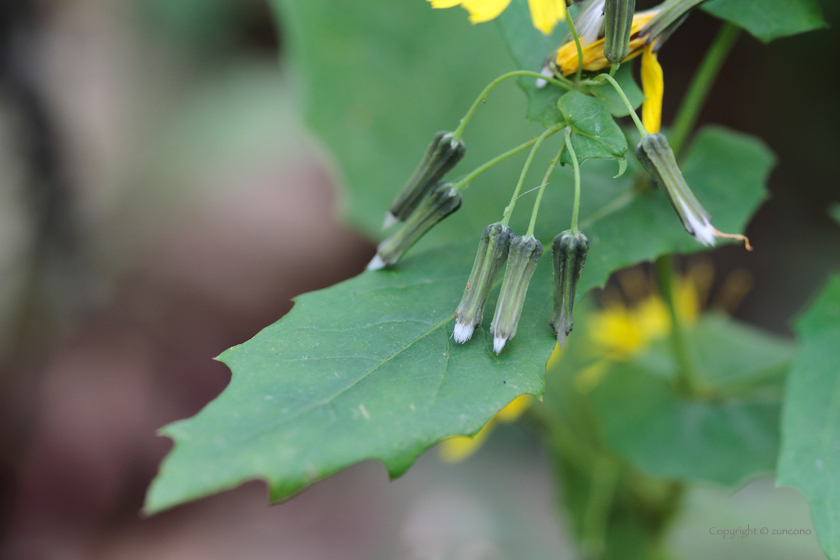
(458, 448)
(652, 77)
(593, 53)
(544, 13)
(621, 332)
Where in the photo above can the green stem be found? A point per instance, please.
(598, 506)
(614, 68)
(642, 130)
(687, 376)
(509, 210)
(572, 28)
(462, 184)
(573, 155)
(544, 184)
(701, 84)
(480, 99)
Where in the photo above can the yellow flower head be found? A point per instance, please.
(652, 78)
(593, 53)
(544, 13)
(620, 332)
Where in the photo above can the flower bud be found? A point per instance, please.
(617, 23)
(658, 159)
(568, 251)
(525, 252)
(441, 156)
(441, 202)
(491, 256)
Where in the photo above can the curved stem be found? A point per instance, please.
(687, 376)
(462, 184)
(544, 184)
(642, 130)
(614, 68)
(573, 155)
(460, 130)
(573, 30)
(700, 85)
(509, 210)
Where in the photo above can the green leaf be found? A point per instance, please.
(381, 77)
(607, 92)
(810, 456)
(769, 19)
(732, 356)
(363, 370)
(723, 441)
(594, 132)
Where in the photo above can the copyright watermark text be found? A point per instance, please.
(744, 532)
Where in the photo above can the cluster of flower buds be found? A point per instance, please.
(569, 251)
(489, 260)
(522, 254)
(423, 202)
(442, 155)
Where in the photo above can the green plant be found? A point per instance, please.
(369, 369)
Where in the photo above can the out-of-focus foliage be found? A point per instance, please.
(810, 458)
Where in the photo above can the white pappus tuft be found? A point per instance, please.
(499, 343)
(390, 220)
(376, 263)
(462, 332)
(546, 71)
(701, 227)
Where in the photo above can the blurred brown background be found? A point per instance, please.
(161, 201)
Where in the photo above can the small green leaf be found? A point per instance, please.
(810, 456)
(595, 135)
(723, 441)
(363, 370)
(769, 19)
(607, 92)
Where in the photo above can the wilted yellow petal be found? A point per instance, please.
(546, 13)
(653, 85)
(458, 448)
(515, 409)
(593, 54)
(484, 10)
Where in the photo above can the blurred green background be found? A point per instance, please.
(161, 200)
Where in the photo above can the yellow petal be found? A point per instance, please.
(514, 410)
(484, 10)
(458, 448)
(445, 3)
(546, 13)
(653, 85)
(593, 54)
